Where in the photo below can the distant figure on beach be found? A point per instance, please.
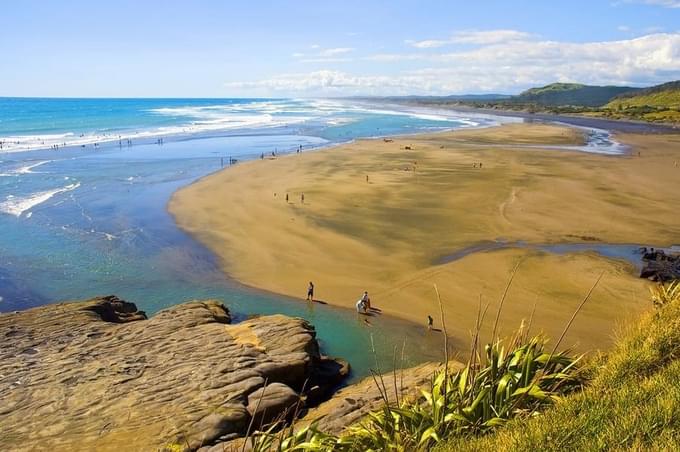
(480, 164)
(222, 162)
(262, 156)
(474, 165)
(361, 307)
(302, 198)
(310, 291)
(367, 178)
(430, 320)
(287, 201)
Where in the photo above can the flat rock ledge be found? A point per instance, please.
(351, 403)
(99, 375)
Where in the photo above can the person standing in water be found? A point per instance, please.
(366, 301)
(310, 291)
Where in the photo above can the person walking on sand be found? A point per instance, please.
(302, 198)
(310, 291)
(430, 321)
(287, 201)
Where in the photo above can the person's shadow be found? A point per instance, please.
(314, 300)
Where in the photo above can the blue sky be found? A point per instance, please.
(327, 48)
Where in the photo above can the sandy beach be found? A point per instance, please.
(378, 215)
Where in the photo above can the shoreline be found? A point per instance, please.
(183, 132)
(249, 168)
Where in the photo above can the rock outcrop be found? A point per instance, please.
(351, 403)
(97, 375)
(659, 265)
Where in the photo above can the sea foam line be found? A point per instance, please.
(17, 206)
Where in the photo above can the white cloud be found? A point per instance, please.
(506, 66)
(653, 29)
(472, 37)
(664, 3)
(330, 82)
(427, 44)
(489, 37)
(623, 28)
(335, 51)
(325, 60)
(323, 55)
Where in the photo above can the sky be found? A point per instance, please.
(211, 48)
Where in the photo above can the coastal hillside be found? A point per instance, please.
(659, 103)
(558, 94)
(664, 95)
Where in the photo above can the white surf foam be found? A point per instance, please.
(16, 206)
(28, 169)
(245, 115)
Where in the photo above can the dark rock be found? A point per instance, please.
(114, 310)
(660, 266)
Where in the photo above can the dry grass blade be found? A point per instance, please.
(573, 316)
(500, 305)
(446, 338)
(252, 419)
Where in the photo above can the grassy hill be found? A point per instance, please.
(659, 103)
(558, 94)
(665, 95)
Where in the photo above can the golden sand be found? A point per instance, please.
(386, 234)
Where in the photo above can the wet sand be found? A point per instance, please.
(386, 235)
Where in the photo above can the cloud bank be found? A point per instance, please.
(484, 61)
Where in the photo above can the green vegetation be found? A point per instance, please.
(666, 95)
(527, 398)
(476, 400)
(632, 402)
(659, 103)
(575, 94)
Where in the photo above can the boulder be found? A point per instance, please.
(272, 403)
